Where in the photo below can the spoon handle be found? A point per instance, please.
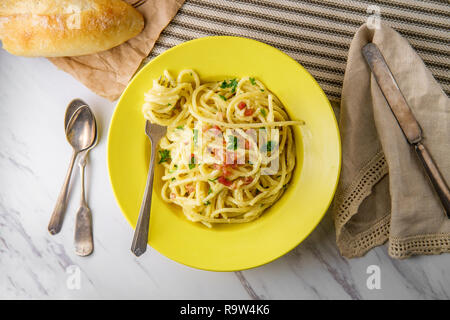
(140, 238)
(58, 213)
(84, 244)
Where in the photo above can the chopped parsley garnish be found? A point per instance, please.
(262, 90)
(195, 137)
(213, 180)
(169, 104)
(209, 191)
(224, 84)
(232, 84)
(252, 81)
(192, 162)
(263, 112)
(232, 143)
(207, 203)
(222, 97)
(270, 146)
(180, 127)
(173, 179)
(164, 154)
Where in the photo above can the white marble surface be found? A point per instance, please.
(34, 156)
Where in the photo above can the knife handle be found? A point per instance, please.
(435, 176)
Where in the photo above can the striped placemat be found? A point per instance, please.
(317, 33)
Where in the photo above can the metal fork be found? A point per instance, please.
(155, 132)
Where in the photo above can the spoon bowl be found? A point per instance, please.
(81, 130)
(73, 106)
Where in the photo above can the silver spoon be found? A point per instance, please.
(84, 243)
(80, 133)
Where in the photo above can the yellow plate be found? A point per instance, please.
(285, 224)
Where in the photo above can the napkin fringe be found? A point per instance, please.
(402, 248)
(352, 246)
(347, 204)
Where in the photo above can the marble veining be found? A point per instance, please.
(34, 156)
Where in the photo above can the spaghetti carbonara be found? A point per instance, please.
(229, 151)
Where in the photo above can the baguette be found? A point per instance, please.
(57, 28)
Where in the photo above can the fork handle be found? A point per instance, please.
(140, 238)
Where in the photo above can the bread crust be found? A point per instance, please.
(57, 28)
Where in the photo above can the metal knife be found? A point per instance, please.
(405, 119)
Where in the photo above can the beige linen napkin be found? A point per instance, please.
(107, 73)
(384, 193)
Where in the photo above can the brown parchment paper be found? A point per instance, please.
(108, 72)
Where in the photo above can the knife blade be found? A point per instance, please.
(406, 119)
